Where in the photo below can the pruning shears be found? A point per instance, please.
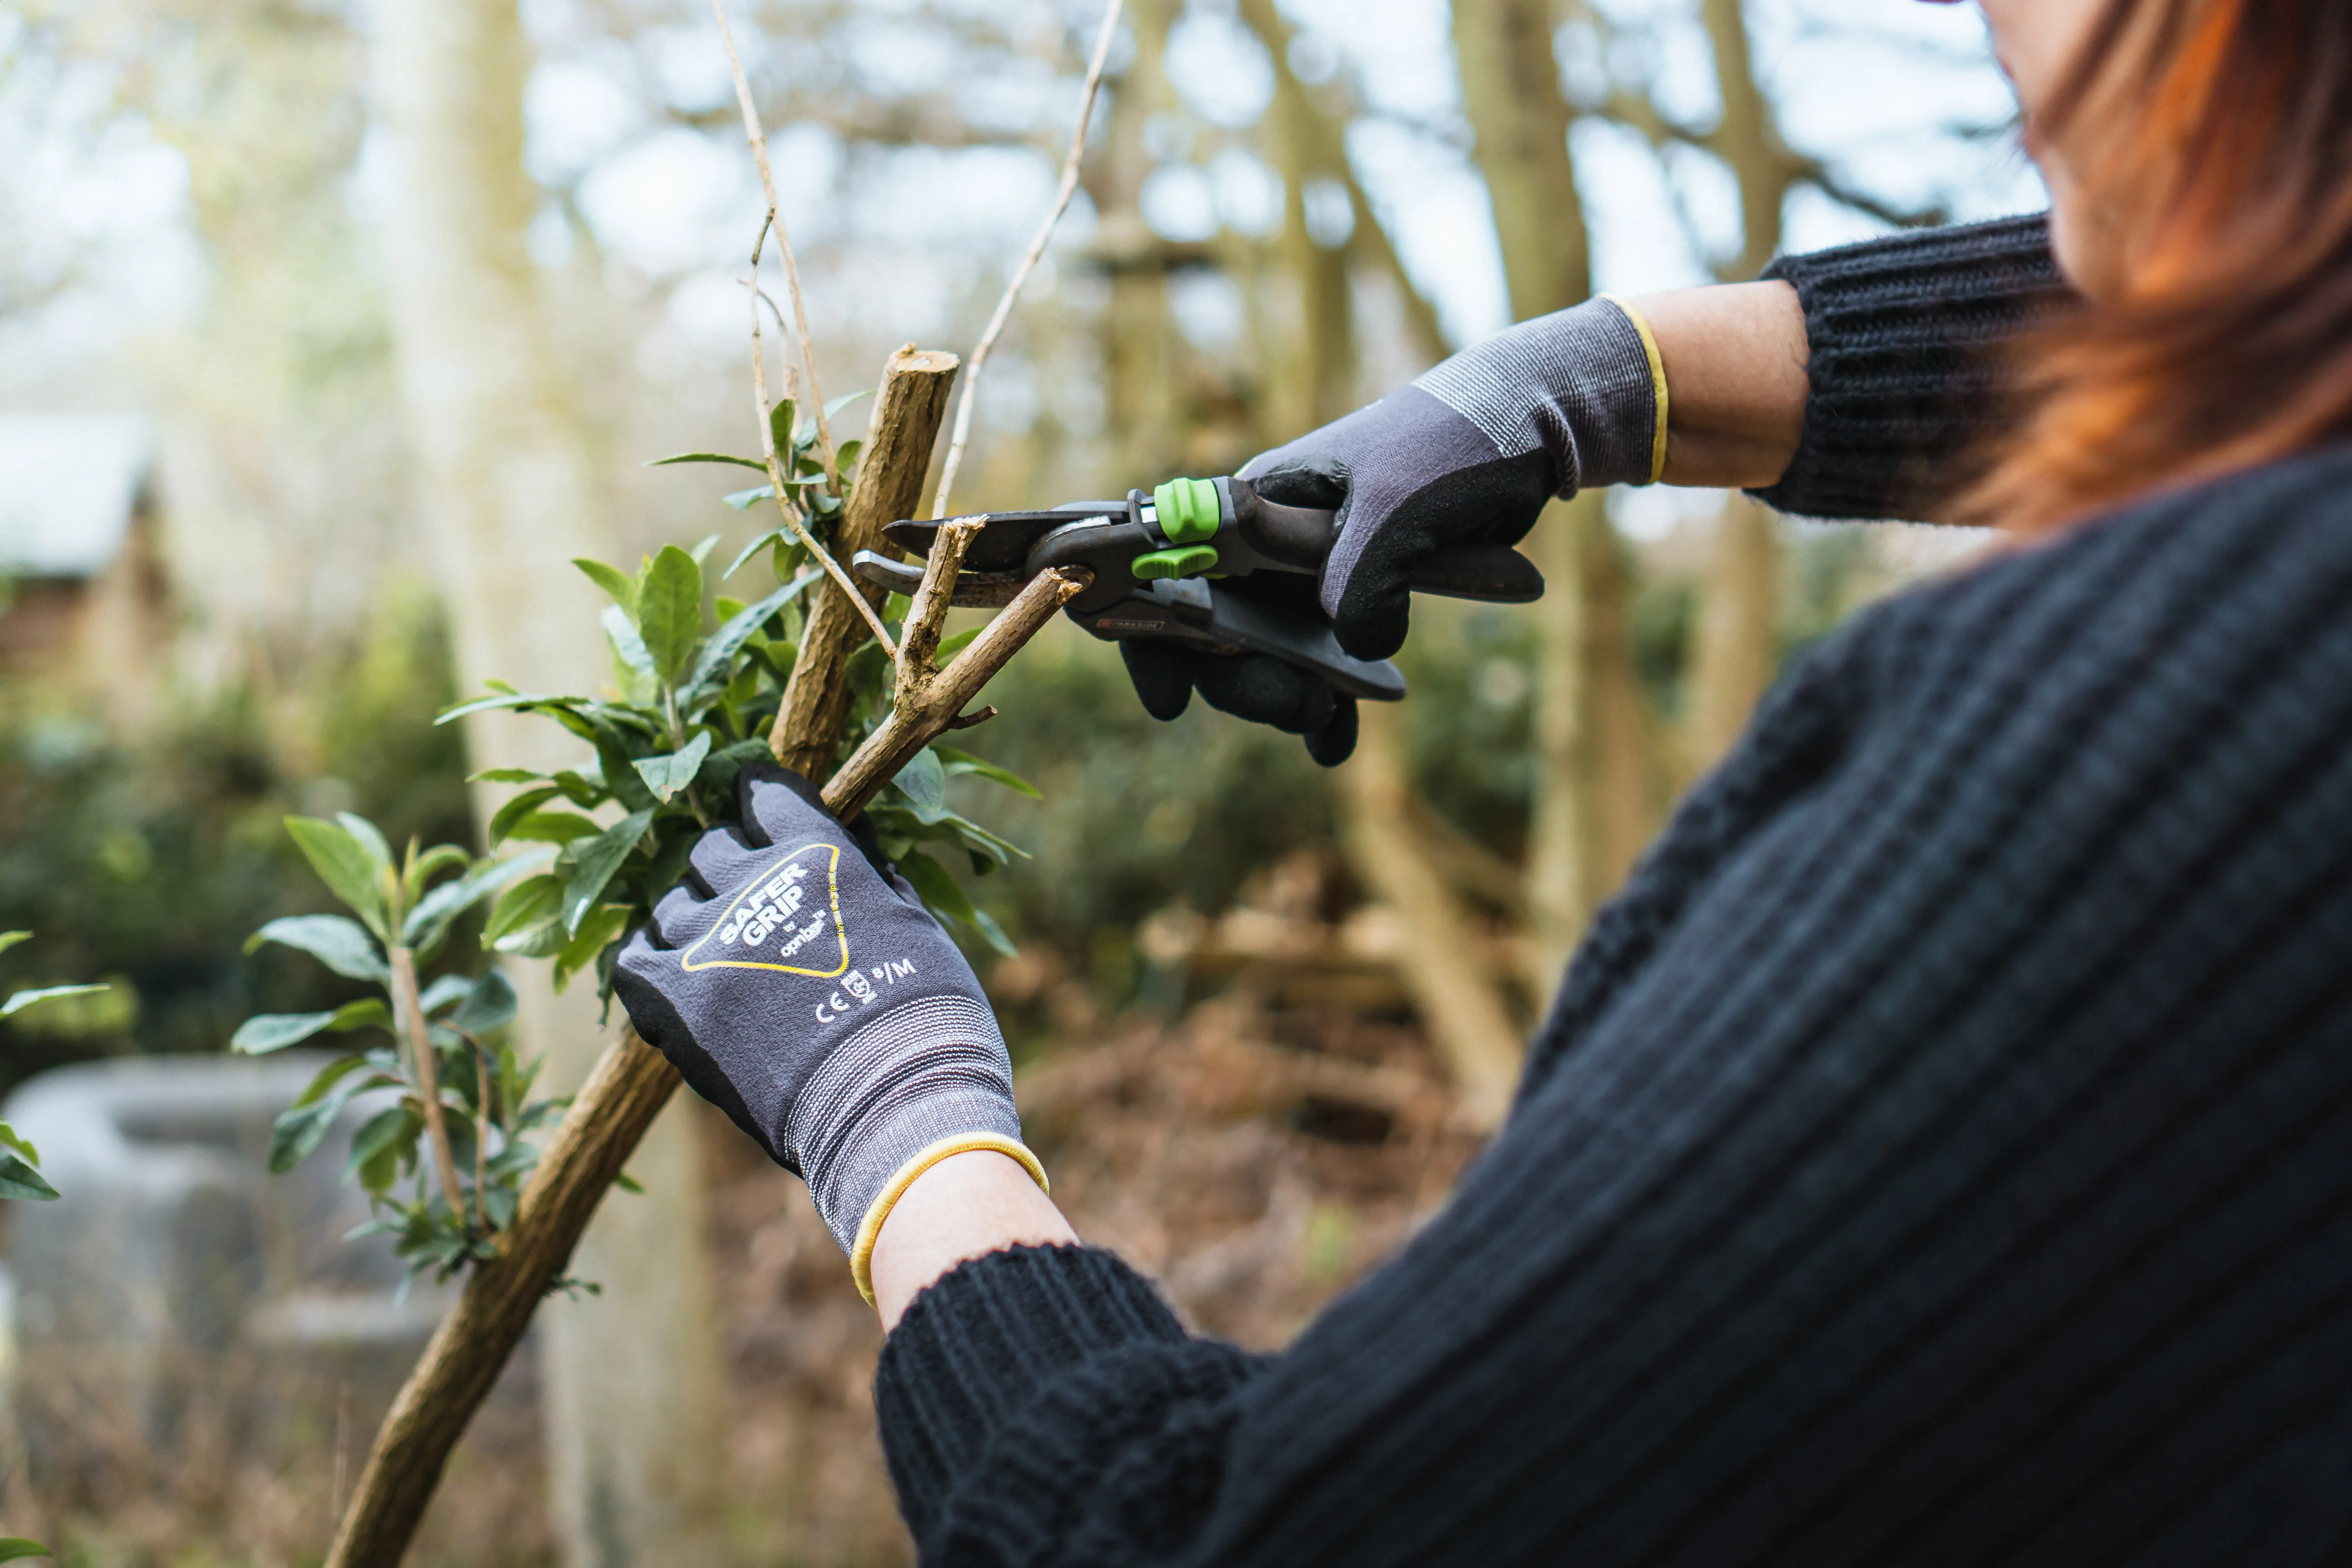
(1160, 558)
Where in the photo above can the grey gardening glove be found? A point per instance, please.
(1469, 454)
(1466, 455)
(801, 986)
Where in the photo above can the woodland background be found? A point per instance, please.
(403, 296)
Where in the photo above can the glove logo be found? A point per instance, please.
(782, 920)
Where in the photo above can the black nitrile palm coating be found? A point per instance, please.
(1255, 686)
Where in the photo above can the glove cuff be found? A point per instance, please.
(869, 1230)
(931, 1073)
(1586, 385)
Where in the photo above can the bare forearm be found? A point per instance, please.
(964, 1206)
(1735, 357)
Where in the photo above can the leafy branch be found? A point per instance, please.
(19, 1175)
(462, 1093)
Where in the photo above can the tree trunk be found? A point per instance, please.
(1737, 640)
(510, 492)
(1438, 959)
(1738, 647)
(1596, 797)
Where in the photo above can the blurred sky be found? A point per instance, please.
(1872, 86)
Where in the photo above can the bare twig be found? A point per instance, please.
(758, 140)
(784, 508)
(419, 1035)
(996, 327)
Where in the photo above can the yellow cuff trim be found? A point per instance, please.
(869, 1230)
(1657, 385)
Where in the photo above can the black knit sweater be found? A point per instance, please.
(1941, 1153)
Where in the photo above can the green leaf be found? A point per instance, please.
(593, 867)
(669, 610)
(515, 810)
(267, 1032)
(9, 939)
(617, 585)
(526, 904)
(431, 920)
(992, 933)
(505, 775)
(350, 868)
(708, 458)
(772, 536)
(554, 827)
(12, 1139)
(439, 858)
(596, 933)
(23, 999)
(672, 771)
(333, 1073)
(12, 1547)
(834, 405)
(367, 1013)
(924, 781)
(951, 647)
(442, 991)
(710, 669)
(719, 770)
(384, 1133)
(961, 763)
(491, 1006)
(298, 1132)
(780, 426)
(334, 940)
(368, 836)
(628, 646)
(505, 699)
(19, 1180)
(945, 897)
(744, 501)
(701, 552)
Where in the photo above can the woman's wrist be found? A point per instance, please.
(961, 1207)
(1735, 357)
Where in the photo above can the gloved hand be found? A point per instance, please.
(1252, 685)
(797, 984)
(1468, 454)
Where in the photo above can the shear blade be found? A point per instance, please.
(1004, 541)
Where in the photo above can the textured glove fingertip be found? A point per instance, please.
(1335, 741)
(1161, 677)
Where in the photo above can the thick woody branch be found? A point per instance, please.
(926, 612)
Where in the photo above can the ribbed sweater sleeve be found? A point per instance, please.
(1905, 385)
(1941, 1154)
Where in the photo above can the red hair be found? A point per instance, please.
(2211, 146)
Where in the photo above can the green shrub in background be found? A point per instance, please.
(143, 860)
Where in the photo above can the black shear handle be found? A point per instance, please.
(1297, 538)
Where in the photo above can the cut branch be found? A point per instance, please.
(921, 715)
(1003, 312)
(908, 412)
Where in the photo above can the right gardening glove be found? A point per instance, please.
(1468, 454)
(798, 984)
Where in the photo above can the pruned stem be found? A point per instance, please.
(1029, 260)
(775, 220)
(427, 1067)
(923, 711)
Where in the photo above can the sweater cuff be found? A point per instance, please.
(975, 1346)
(1906, 382)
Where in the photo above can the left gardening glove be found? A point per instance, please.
(801, 986)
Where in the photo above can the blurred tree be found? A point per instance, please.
(509, 493)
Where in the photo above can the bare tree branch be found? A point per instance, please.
(979, 361)
(758, 140)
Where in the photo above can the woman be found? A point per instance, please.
(1942, 1151)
